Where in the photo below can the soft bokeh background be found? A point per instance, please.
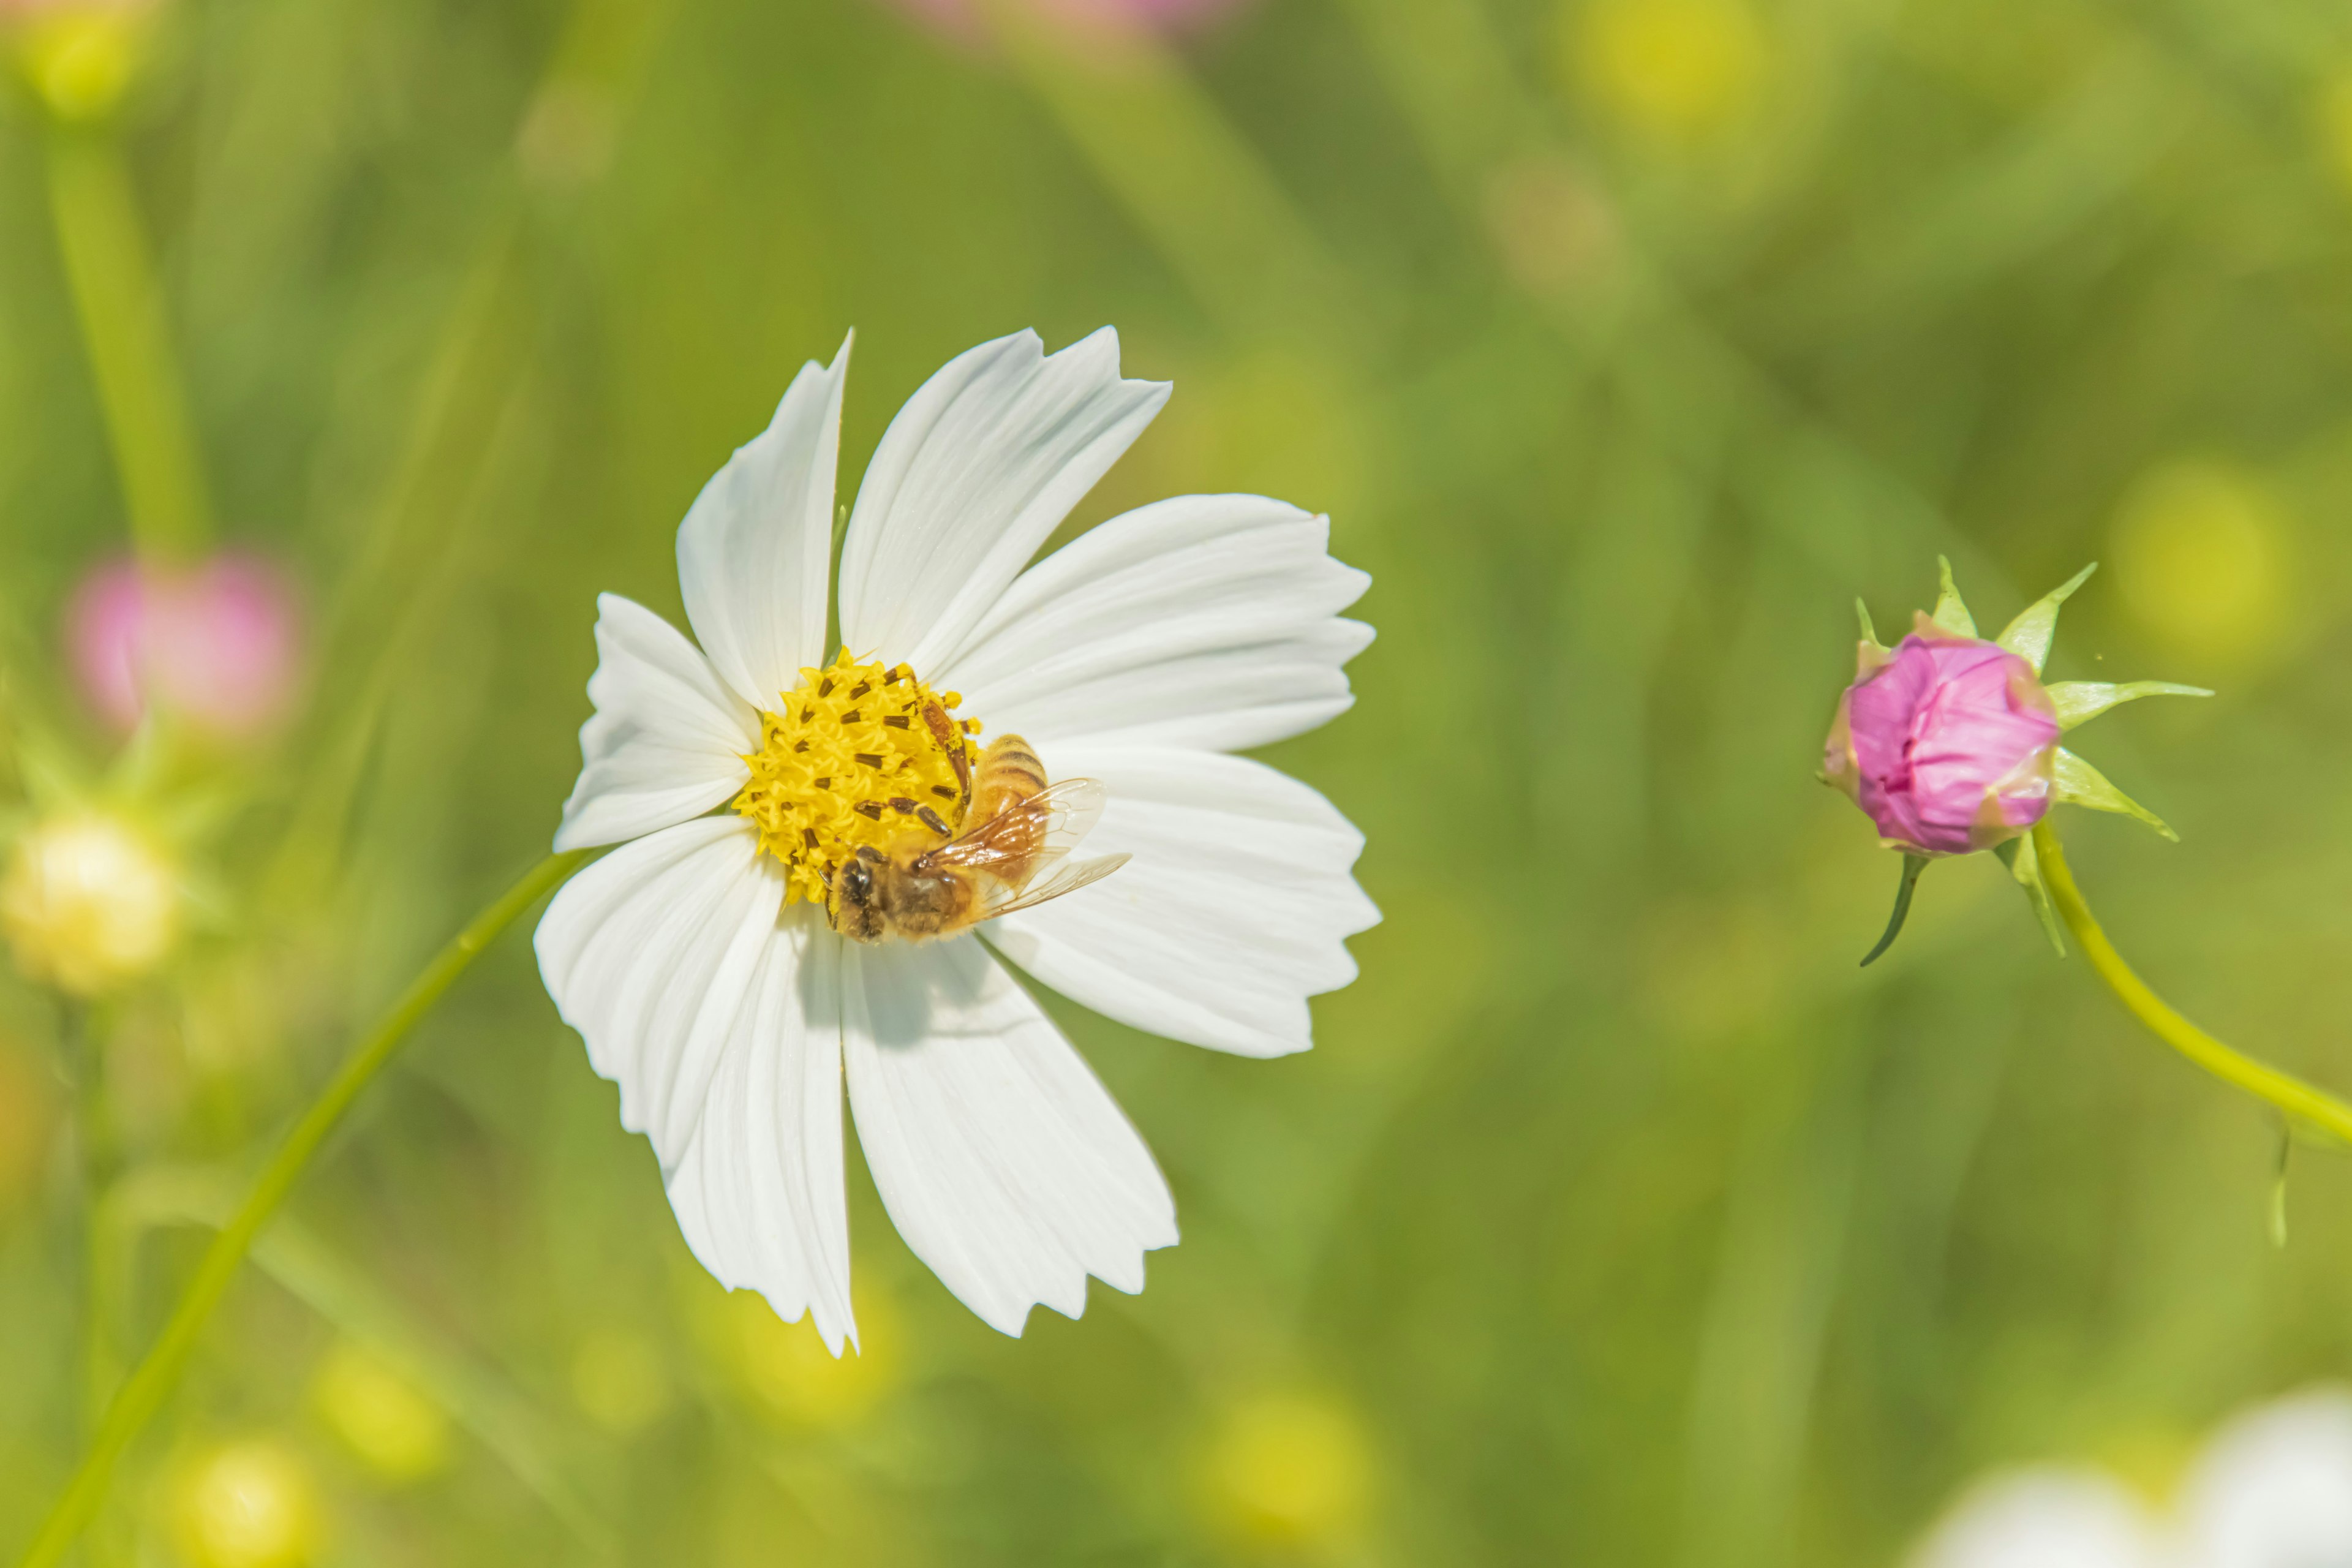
(1617, 1217)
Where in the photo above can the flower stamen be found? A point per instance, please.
(842, 762)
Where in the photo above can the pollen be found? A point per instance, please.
(849, 759)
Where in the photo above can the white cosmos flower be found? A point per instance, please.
(715, 994)
(2273, 1489)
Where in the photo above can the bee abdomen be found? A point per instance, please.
(1009, 773)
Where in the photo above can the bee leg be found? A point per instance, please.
(950, 740)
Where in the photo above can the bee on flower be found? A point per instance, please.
(826, 857)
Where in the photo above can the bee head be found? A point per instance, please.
(852, 907)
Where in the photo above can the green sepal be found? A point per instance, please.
(1912, 865)
(1869, 632)
(2076, 782)
(1951, 614)
(2080, 702)
(2029, 635)
(2026, 864)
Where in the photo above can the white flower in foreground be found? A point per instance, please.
(698, 960)
(2273, 1491)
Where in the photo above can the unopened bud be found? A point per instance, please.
(1948, 746)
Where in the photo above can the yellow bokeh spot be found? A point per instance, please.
(381, 1415)
(80, 58)
(2200, 554)
(89, 902)
(851, 758)
(619, 1380)
(246, 1505)
(787, 1369)
(1288, 1468)
(1671, 69)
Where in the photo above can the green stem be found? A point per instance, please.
(120, 306)
(2290, 1094)
(143, 1392)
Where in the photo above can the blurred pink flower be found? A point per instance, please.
(26, 10)
(961, 18)
(1948, 746)
(216, 646)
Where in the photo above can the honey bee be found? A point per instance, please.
(1014, 852)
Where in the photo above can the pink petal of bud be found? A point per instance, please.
(217, 647)
(1948, 747)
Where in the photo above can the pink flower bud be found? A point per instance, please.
(1947, 744)
(961, 18)
(217, 646)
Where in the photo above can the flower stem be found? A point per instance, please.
(143, 1392)
(120, 306)
(2297, 1099)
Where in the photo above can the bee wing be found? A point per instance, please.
(1029, 838)
(1067, 879)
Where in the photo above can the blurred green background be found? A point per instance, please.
(1617, 1218)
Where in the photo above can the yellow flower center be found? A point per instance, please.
(853, 755)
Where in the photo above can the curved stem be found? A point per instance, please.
(143, 1392)
(2290, 1094)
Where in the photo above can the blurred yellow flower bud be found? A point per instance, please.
(619, 1380)
(2200, 553)
(80, 55)
(380, 1415)
(246, 1505)
(786, 1368)
(87, 902)
(1288, 1468)
(1671, 69)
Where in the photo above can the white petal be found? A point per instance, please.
(1001, 1157)
(1205, 621)
(759, 1190)
(757, 545)
(2276, 1489)
(667, 741)
(2043, 1519)
(979, 467)
(1230, 915)
(650, 954)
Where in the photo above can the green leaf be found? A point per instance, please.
(2026, 864)
(2029, 635)
(2080, 702)
(1950, 613)
(2079, 784)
